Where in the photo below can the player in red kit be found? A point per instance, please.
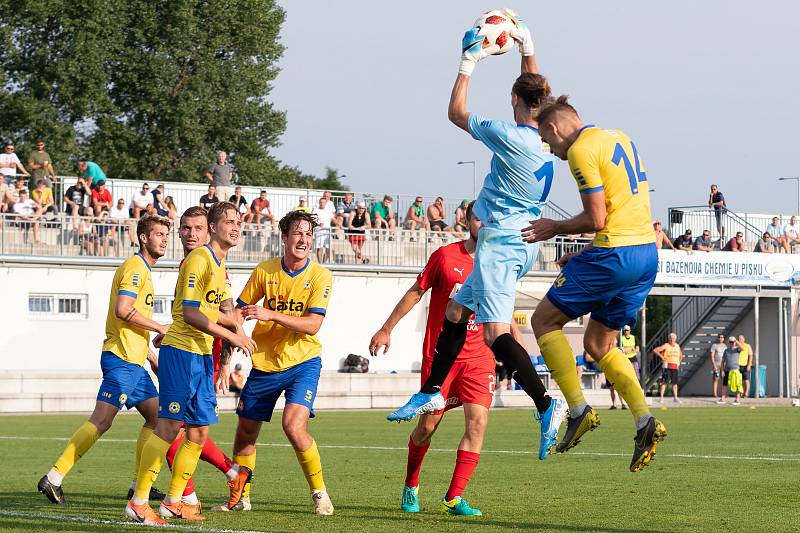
(470, 382)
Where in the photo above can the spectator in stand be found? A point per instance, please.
(76, 198)
(460, 223)
(672, 355)
(765, 244)
(237, 378)
(10, 163)
(158, 201)
(101, 198)
(220, 174)
(91, 173)
(791, 234)
(139, 202)
(260, 212)
(629, 347)
(717, 356)
(28, 213)
(6, 198)
(382, 214)
(661, 237)
(41, 165)
(343, 210)
(301, 206)
(329, 205)
(703, 243)
(684, 242)
(238, 200)
(736, 244)
(357, 223)
(210, 198)
(172, 209)
(436, 215)
(103, 234)
(745, 363)
(119, 216)
(322, 235)
(733, 376)
(776, 232)
(415, 216)
(716, 201)
(86, 236)
(43, 197)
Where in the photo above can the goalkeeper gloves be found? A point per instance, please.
(521, 34)
(472, 51)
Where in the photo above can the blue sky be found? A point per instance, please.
(708, 91)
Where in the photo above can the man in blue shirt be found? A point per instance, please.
(91, 172)
(514, 192)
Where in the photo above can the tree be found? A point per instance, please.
(150, 90)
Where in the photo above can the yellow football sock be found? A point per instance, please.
(311, 464)
(144, 434)
(183, 468)
(560, 360)
(80, 442)
(619, 371)
(150, 461)
(250, 462)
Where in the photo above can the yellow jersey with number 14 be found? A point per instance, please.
(201, 284)
(607, 160)
(123, 339)
(298, 293)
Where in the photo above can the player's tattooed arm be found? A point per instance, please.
(124, 310)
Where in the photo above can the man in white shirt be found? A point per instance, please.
(119, 216)
(140, 200)
(28, 212)
(10, 163)
(791, 234)
(322, 235)
(329, 205)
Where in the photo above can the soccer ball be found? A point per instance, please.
(495, 27)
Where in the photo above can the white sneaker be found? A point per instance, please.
(322, 503)
(243, 505)
(661, 401)
(735, 402)
(676, 400)
(720, 402)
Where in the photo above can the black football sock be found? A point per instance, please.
(449, 345)
(507, 350)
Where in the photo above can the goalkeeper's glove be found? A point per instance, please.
(472, 51)
(521, 33)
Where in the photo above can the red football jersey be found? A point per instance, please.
(445, 272)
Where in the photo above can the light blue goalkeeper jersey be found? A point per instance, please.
(516, 189)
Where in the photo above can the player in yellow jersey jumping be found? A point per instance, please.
(609, 278)
(126, 382)
(186, 369)
(296, 292)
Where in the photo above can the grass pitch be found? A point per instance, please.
(720, 469)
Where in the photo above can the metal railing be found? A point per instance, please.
(699, 218)
(60, 235)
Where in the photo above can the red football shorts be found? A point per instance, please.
(469, 381)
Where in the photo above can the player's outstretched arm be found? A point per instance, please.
(124, 310)
(383, 337)
(457, 109)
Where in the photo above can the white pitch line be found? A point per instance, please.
(791, 457)
(106, 522)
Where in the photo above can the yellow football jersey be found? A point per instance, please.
(201, 283)
(123, 339)
(607, 160)
(299, 293)
(744, 355)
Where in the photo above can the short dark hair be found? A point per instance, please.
(194, 211)
(146, 223)
(548, 113)
(218, 210)
(470, 206)
(293, 217)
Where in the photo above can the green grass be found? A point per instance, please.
(750, 484)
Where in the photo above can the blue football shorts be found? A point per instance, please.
(262, 389)
(124, 384)
(186, 383)
(610, 283)
(501, 258)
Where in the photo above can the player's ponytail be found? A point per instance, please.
(533, 89)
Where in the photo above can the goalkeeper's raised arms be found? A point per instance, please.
(472, 51)
(521, 33)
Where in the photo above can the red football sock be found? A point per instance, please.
(465, 466)
(415, 456)
(173, 450)
(189, 487)
(214, 456)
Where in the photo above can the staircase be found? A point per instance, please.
(697, 322)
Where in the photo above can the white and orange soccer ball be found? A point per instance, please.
(492, 32)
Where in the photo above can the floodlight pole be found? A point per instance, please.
(474, 178)
(797, 179)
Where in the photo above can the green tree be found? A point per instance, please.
(148, 89)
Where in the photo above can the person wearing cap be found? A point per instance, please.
(460, 223)
(101, 198)
(236, 379)
(732, 376)
(672, 355)
(91, 173)
(629, 347)
(301, 206)
(684, 242)
(357, 224)
(28, 212)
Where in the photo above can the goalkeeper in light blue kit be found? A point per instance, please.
(514, 192)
